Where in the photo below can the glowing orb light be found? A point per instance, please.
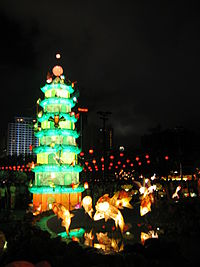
(57, 71)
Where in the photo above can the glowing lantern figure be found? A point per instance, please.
(64, 214)
(147, 197)
(89, 237)
(145, 236)
(57, 151)
(175, 195)
(108, 208)
(87, 205)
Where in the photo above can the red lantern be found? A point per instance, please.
(94, 161)
(102, 159)
(166, 157)
(137, 158)
(148, 161)
(121, 154)
(128, 160)
(112, 157)
(119, 162)
(91, 151)
(139, 163)
(82, 154)
(147, 156)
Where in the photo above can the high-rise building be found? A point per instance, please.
(21, 137)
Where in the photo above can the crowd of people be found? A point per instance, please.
(14, 195)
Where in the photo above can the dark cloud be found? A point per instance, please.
(141, 62)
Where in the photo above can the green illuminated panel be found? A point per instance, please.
(57, 86)
(57, 100)
(58, 93)
(56, 148)
(58, 139)
(51, 114)
(57, 168)
(54, 132)
(55, 190)
(73, 233)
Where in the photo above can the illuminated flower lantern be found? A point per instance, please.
(57, 169)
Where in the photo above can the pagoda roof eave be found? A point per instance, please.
(57, 100)
(56, 148)
(57, 86)
(58, 131)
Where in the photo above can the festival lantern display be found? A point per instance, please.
(108, 208)
(57, 169)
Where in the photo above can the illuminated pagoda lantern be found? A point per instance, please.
(57, 169)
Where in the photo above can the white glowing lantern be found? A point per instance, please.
(53, 175)
(142, 190)
(58, 56)
(87, 200)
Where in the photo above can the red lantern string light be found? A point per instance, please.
(91, 151)
(131, 164)
(102, 159)
(111, 164)
(121, 154)
(94, 161)
(148, 161)
(116, 167)
(166, 157)
(137, 158)
(124, 166)
(128, 160)
(119, 162)
(86, 163)
(112, 157)
(82, 154)
(139, 163)
(147, 156)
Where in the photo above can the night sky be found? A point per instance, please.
(138, 61)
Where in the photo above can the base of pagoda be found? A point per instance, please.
(43, 202)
